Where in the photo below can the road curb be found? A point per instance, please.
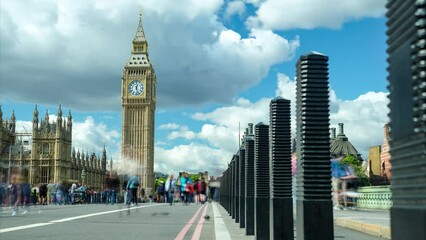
(372, 229)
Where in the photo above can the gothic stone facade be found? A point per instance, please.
(138, 111)
(46, 153)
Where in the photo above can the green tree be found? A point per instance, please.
(356, 165)
(159, 181)
(194, 177)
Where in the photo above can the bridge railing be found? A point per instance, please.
(375, 197)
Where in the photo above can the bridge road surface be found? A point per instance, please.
(98, 221)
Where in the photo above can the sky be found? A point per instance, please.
(218, 65)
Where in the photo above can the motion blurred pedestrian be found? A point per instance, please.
(50, 192)
(42, 194)
(132, 189)
(170, 188)
(15, 191)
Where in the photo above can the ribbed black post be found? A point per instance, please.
(232, 187)
(229, 184)
(281, 201)
(222, 184)
(223, 190)
(242, 159)
(237, 188)
(228, 189)
(261, 174)
(249, 172)
(314, 205)
(407, 85)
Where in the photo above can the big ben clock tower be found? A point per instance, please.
(138, 90)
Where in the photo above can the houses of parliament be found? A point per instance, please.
(45, 153)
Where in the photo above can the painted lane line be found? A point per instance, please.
(97, 214)
(11, 229)
(189, 224)
(220, 230)
(23, 227)
(199, 227)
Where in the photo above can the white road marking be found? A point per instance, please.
(11, 229)
(220, 230)
(23, 227)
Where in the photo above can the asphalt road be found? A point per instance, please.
(97, 221)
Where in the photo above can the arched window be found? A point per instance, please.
(46, 148)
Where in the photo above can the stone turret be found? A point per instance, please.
(83, 160)
(12, 124)
(59, 122)
(59, 118)
(104, 160)
(79, 162)
(93, 161)
(46, 122)
(69, 122)
(87, 159)
(35, 120)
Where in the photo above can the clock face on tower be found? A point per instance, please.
(136, 88)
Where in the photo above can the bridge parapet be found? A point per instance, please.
(376, 197)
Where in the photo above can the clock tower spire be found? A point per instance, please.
(138, 91)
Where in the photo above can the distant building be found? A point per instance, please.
(46, 153)
(374, 167)
(138, 101)
(340, 146)
(385, 154)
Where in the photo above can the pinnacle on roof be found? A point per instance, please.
(35, 111)
(12, 118)
(140, 35)
(60, 111)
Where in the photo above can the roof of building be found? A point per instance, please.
(140, 35)
(341, 146)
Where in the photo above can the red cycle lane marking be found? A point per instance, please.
(188, 225)
(197, 232)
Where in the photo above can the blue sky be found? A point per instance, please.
(218, 63)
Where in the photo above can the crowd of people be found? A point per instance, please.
(183, 189)
(18, 194)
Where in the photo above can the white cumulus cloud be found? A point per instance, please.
(67, 44)
(90, 135)
(309, 14)
(363, 119)
(168, 126)
(192, 158)
(235, 7)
